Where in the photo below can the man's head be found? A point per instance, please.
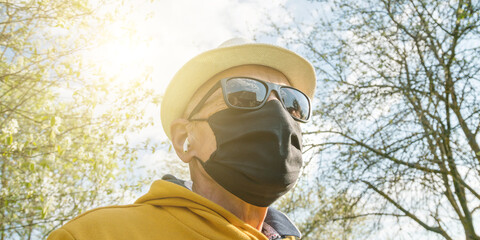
(276, 134)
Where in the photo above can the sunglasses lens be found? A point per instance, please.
(296, 103)
(245, 93)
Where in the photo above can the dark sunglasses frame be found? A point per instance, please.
(269, 87)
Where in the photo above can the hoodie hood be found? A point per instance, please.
(166, 192)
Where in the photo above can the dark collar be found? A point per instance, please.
(281, 223)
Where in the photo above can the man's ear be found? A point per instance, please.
(179, 133)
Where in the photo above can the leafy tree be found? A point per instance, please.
(62, 127)
(398, 117)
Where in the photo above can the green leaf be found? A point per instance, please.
(52, 134)
(52, 121)
(9, 140)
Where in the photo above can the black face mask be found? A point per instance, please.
(258, 156)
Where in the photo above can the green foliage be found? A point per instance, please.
(62, 126)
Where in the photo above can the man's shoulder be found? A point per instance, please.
(115, 212)
(106, 216)
(99, 221)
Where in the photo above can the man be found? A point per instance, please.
(231, 113)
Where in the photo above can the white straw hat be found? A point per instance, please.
(231, 53)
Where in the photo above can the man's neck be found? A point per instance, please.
(208, 188)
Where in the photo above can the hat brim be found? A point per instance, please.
(198, 70)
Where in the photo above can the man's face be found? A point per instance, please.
(200, 135)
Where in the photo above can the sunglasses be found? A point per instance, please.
(250, 94)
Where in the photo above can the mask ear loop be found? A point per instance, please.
(204, 99)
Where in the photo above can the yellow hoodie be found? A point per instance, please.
(167, 211)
